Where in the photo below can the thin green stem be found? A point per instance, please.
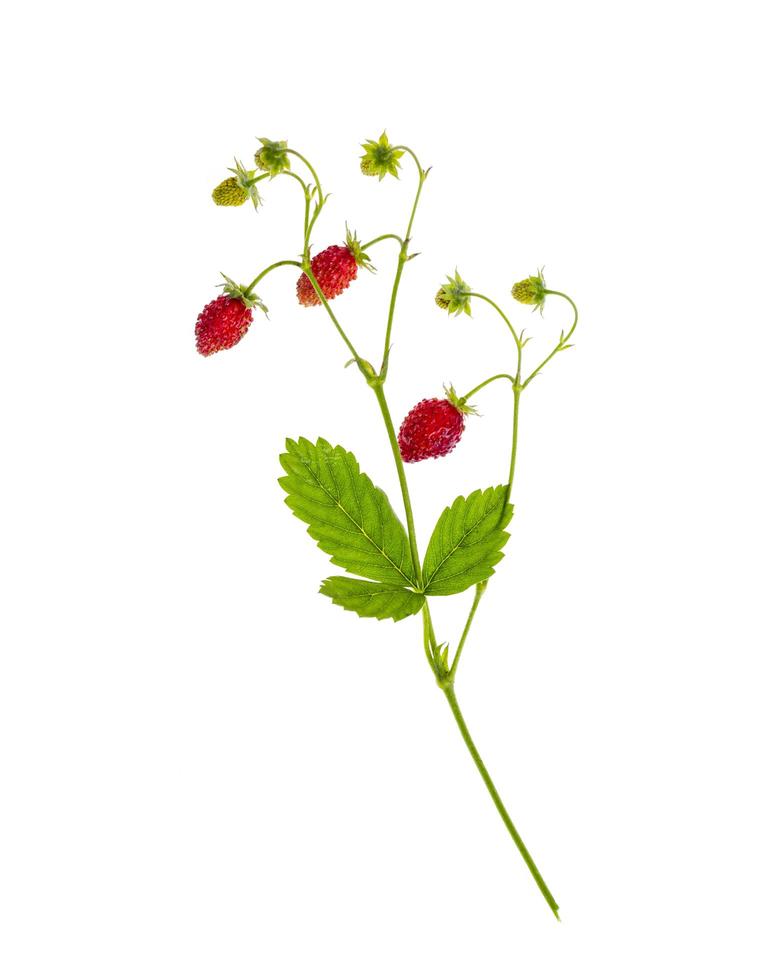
(500, 311)
(378, 389)
(317, 207)
(306, 197)
(270, 268)
(313, 172)
(382, 238)
(480, 588)
(514, 446)
(402, 259)
(562, 343)
(324, 302)
(454, 704)
(494, 377)
(429, 641)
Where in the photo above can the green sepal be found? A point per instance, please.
(380, 158)
(453, 296)
(531, 291)
(467, 542)
(375, 600)
(247, 180)
(272, 156)
(350, 519)
(355, 247)
(458, 402)
(247, 296)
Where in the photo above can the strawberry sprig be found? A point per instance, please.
(350, 518)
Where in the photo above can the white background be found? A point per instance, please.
(208, 771)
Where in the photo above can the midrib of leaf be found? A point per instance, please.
(352, 519)
(456, 547)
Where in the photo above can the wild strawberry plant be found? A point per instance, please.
(350, 518)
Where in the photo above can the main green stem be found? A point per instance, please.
(378, 389)
(454, 704)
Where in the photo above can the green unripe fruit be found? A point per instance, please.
(230, 193)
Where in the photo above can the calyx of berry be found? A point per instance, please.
(380, 158)
(531, 291)
(355, 247)
(457, 402)
(453, 296)
(243, 293)
(247, 180)
(272, 156)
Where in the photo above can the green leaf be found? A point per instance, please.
(349, 518)
(467, 542)
(375, 599)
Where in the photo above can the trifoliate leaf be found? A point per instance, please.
(467, 542)
(374, 599)
(349, 518)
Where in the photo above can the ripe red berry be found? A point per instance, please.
(431, 429)
(221, 324)
(334, 269)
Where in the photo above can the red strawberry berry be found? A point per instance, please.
(335, 269)
(221, 324)
(432, 428)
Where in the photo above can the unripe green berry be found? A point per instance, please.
(230, 193)
(442, 300)
(271, 157)
(530, 291)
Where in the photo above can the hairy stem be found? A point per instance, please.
(309, 224)
(514, 445)
(499, 310)
(317, 289)
(494, 377)
(381, 238)
(454, 704)
(562, 343)
(270, 268)
(480, 588)
(378, 389)
(403, 258)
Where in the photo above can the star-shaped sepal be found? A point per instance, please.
(250, 299)
(272, 156)
(380, 158)
(458, 402)
(355, 247)
(453, 296)
(247, 180)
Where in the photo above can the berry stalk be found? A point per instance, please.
(403, 258)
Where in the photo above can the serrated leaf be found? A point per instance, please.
(467, 542)
(377, 600)
(349, 518)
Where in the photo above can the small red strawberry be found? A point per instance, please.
(223, 322)
(335, 269)
(433, 427)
